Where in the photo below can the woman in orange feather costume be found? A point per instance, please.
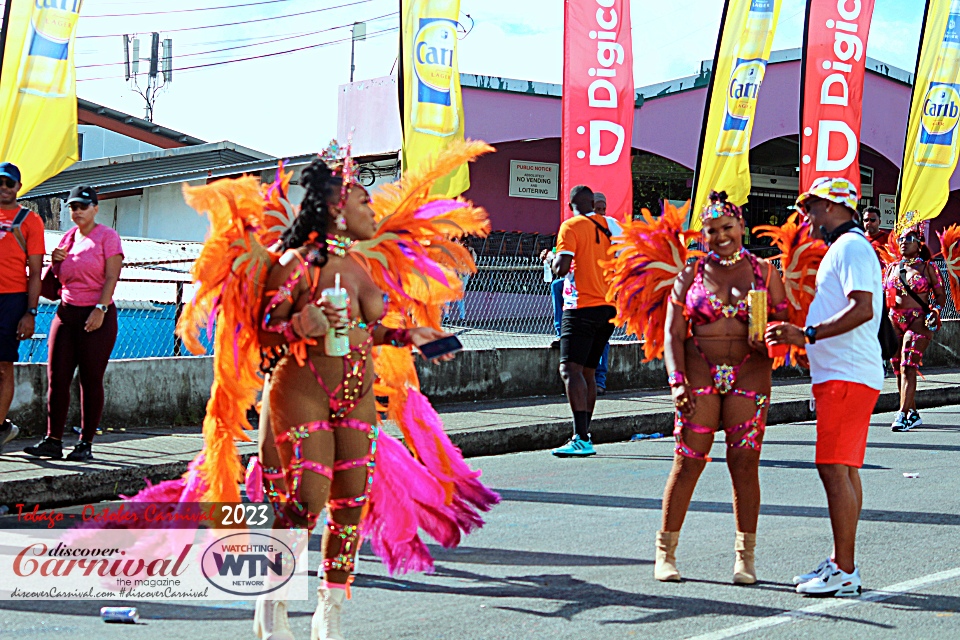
(260, 280)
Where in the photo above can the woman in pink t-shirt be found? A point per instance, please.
(87, 262)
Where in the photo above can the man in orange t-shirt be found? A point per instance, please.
(584, 331)
(21, 258)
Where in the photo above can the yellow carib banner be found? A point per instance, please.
(930, 154)
(743, 49)
(432, 106)
(38, 89)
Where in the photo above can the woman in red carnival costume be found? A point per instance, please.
(915, 297)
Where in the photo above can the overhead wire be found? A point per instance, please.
(257, 57)
(246, 46)
(157, 13)
(234, 24)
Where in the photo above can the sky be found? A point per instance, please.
(287, 104)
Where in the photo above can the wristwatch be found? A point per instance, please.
(32, 311)
(103, 307)
(811, 334)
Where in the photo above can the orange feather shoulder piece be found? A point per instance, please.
(950, 248)
(647, 263)
(800, 257)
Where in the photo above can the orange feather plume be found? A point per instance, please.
(231, 273)
(950, 248)
(653, 253)
(800, 257)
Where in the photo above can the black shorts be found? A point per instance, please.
(12, 308)
(584, 333)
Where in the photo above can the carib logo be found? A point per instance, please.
(937, 142)
(741, 104)
(434, 53)
(46, 69)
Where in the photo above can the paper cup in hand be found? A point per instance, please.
(776, 350)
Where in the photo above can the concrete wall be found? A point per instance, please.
(139, 393)
(173, 391)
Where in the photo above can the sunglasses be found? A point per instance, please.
(906, 239)
(79, 206)
(9, 183)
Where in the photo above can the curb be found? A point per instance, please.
(88, 487)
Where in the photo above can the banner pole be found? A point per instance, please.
(706, 113)
(913, 93)
(803, 84)
(8, 7)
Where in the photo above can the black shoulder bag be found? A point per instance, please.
(600, 229)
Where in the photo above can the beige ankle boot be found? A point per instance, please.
(744, 571)
(665, 569)
(326, 621)
(270, 617)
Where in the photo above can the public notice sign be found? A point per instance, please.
(888, 211)
(539, 180)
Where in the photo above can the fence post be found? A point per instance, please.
(177, 341)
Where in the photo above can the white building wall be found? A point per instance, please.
(102, 143)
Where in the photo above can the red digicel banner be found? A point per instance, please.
(598, 102)
(834, 59)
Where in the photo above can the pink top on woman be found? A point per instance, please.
(84, 270)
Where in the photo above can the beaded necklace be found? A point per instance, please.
(339, 245)
(727, 262)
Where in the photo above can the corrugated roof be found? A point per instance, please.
(120, 173)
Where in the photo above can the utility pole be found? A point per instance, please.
(359, 32)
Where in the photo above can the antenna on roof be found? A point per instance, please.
(160, 69)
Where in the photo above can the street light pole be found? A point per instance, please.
(359, 33)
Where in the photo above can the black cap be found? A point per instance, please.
(10, 170)
(83, 194)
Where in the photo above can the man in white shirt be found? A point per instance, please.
(846, 367)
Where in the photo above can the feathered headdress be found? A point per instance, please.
(653, 253)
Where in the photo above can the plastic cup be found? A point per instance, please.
(776, 350)
(337, 343)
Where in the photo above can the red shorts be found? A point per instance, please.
(843, 420)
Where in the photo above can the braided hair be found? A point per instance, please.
(322, 187)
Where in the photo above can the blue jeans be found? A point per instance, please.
(556, 292)
(602, 368)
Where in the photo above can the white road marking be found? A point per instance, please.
(876, 595)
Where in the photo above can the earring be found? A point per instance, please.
(341, 222)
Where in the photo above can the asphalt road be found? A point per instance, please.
(569, 555)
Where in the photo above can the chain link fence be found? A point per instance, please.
(507, 304)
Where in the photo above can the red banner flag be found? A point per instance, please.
(831, 90)
(598, 102)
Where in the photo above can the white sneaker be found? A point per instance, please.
(899, 422)
(806, 577)
(914, 419)
(834, 583)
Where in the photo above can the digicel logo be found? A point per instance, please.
(835, 91)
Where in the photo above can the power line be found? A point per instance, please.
(245, 46)
(260, 56)
(242, 22)
(158, 13)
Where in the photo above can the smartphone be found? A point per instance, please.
(441, 347)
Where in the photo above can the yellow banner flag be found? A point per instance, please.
(930, 153)
(746, 35)
(432, 104)
(38, 89)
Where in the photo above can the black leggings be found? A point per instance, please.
(71, 347)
